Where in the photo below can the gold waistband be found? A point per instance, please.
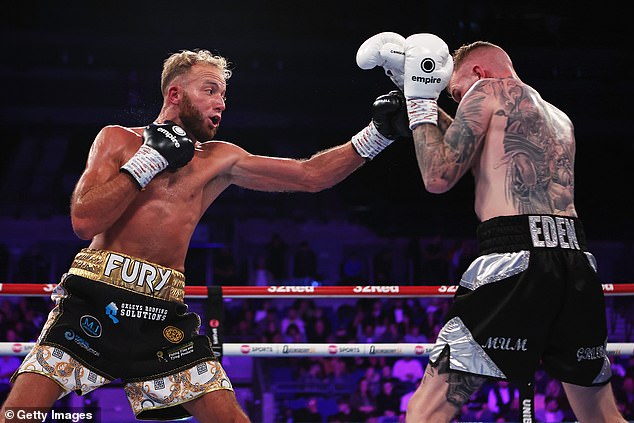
(130, 273)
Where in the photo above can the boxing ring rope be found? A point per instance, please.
(292, 291)
(316, 350)
(307, 349)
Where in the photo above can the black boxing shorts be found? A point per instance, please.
(119, 317)
(532, 295)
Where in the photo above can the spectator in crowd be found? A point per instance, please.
(5, 259)
(383, 266)
(353, 269)
(414, 256)
(292, 335)
(392, 333)
(314, 374)
(276, 256)
(261, 275)
(308, 414)
(503, 399)
(625, 395)
(318, 331)
(373, 376)
(305, 263)
(388, 401)
(406, 396)
(33, 266)
(365, 333)
(408, 370)
(345, 413)
(225, 268)
(362, 400)
(435, 263)
(551, 412)
(293, 317)
(414, 336)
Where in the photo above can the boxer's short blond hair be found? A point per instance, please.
(180, 63)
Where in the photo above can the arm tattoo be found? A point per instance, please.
(445, 152)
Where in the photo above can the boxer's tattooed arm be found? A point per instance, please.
(445, 153)
(461, 385)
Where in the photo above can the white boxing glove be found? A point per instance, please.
(385, 49)
(428, 67)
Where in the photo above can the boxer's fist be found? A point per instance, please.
(428, 67)
(389, 121)
(171, 142)
(165, 146)
(385, 49)
(389, 114)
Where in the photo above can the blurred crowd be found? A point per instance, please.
(338, 389)
(344, 389)
(376, 389)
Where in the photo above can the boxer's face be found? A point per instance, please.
(462, 78)
(203, 101)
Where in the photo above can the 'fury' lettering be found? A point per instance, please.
(133, 271)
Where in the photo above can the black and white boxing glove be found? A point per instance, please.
(165, 146)
(389, 122)
(389, 114)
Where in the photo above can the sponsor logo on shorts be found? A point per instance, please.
(591, 353)
(175, 353)
(135, 311)
(111, 312)
(137, 272)
(72, 336)
(505, 344)
(90, 325)
(551, 232)
(173, 334)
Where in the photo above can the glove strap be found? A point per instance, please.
(369, 142)
(422, 110)
(145, 165)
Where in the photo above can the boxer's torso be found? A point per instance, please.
(527, 158)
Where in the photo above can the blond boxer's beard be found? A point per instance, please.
(194, 121)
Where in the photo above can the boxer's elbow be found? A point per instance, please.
(85, 229)
(436, 185)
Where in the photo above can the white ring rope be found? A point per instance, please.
(316, 350)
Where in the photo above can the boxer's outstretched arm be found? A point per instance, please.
(317, 173)
(329, 167)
